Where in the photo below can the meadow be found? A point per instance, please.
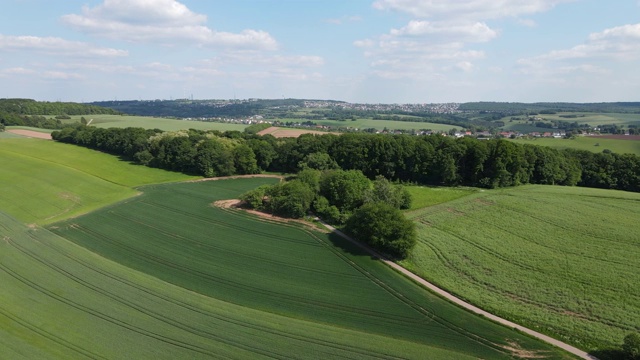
(45, 181)
(173, 233)
(367, 123)
(424, 196)
(147, 122)
(560, 260)
(592, 119)
(590, 143)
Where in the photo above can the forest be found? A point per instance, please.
(27, 112)
(430, 160)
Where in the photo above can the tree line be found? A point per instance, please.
(32, 107)
(430, 160)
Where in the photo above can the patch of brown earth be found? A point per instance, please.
(30, 133)
(237, 205)
(516, 350)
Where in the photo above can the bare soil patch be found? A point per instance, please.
(284, 132)
(237, 204)
(239, 177)
(30, 133)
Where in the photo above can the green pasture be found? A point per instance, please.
(8, 135)
(595, 119)
(60, 301)
(424, 196)
(592, 119)
(561, 260)
(147, 122)
(368, 123)
(524, 128)
(173, 233)
(590, 143)
(45, 181)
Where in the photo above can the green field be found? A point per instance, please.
(363, 123)
(424, 196)
(590, 143)
(147, 122)
(172, 233)
(44, 181)
(562, 260)
(592, 119)
(60, 301)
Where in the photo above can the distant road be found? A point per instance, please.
(464, 304)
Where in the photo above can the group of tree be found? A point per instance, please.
(431, 160)
(370, 210)
(33, 107)
(37, 121)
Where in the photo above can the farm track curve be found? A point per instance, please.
(562, 345)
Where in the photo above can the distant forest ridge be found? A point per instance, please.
(542, 107)
(282, 108)
(33, 107)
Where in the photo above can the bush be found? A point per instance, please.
(292, 199)
(383, 227)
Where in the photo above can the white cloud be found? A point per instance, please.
(467, 9)
(61, 75)
(472, 32)
(618, 43)
(56, 46)
(16, 71)
(163, 21)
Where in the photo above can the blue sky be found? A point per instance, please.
(387, 51)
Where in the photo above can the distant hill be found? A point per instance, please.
(32, 107)
(542, 107)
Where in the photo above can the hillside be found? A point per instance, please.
(560, 260)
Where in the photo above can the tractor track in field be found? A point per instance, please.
(450, 297)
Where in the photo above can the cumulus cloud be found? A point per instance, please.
(472, 32)
(56, 46)
(618, 43)
(163, 21)
(467, 9)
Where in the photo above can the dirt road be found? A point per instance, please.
(466, 305)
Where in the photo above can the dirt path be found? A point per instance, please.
(465, 305)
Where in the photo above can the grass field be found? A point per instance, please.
(424, 196)
(60, 301)
(45, 181)
(561, 260)
(592, 119)
(172, 233)
(590, 143)
(367, 123)
(117, 121)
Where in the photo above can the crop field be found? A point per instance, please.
(589, 143)
(147, 122)
(592, 119)
(60, 301)
(280, 132)
(44, 181)
(284, 271)
(561, 260)
(424, 196)
(367, 123)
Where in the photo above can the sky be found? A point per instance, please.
(364, 51)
